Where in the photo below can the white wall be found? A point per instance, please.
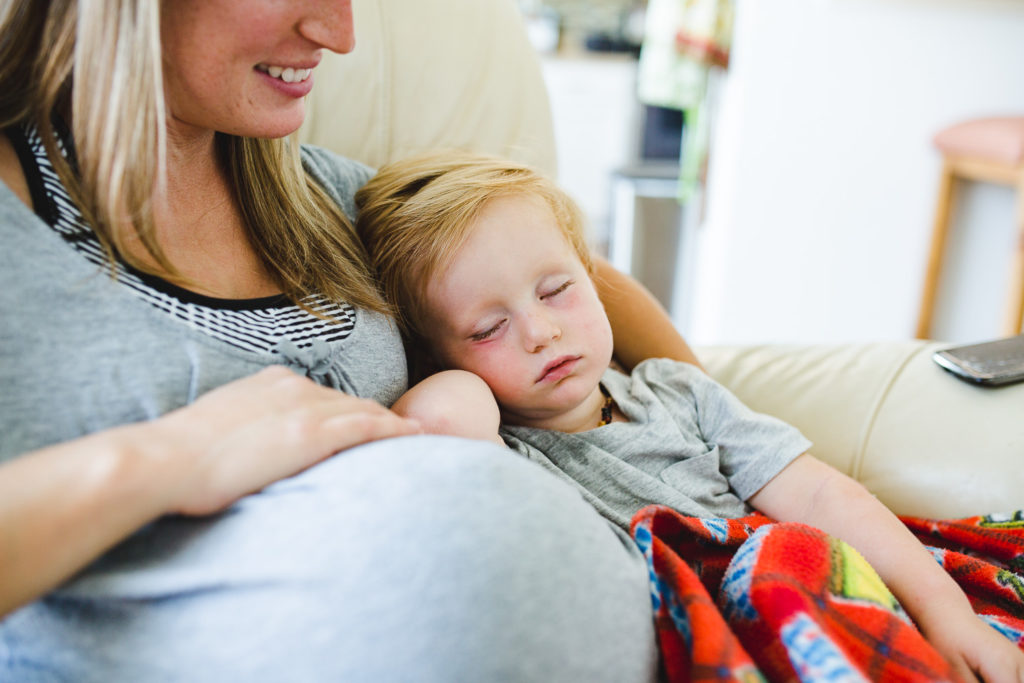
(823, 178)
(594, 107)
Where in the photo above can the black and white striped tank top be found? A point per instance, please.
(261, 325)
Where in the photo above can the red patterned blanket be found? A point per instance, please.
(791, 603)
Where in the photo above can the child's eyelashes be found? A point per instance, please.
(558, 290)
(481, 336)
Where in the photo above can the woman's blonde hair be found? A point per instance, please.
(99, 63)
(415, 214)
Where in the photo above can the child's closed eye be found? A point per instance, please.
(481, 336)
(558, 290)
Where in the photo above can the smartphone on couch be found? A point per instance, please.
(991, 363)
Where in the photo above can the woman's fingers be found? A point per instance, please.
(250, 459)
(245, 435)
(324, 427)
(352, 429)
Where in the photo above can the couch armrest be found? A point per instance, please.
(921, 440)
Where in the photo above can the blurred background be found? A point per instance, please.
(809, 176)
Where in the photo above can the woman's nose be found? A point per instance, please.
(540, 330)
(329, 24)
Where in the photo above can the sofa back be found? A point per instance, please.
(433, 73)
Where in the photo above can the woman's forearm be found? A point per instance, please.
(63, 506)
(640, 325)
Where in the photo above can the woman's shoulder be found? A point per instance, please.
(338, 175)
(323, 161)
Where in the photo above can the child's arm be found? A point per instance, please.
(810, 491)
(452, 402)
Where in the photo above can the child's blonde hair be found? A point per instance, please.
(415, 214)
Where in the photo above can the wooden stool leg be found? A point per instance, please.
(1015, 305)
(940, 230)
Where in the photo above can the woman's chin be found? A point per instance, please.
(272, 121)
(278, 129)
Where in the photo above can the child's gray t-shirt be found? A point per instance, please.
(689, 444)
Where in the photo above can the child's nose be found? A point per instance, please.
(541, 330)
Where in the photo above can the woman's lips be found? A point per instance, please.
(558, 368)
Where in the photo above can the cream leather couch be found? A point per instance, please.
(460, 73)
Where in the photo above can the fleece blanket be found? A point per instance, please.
(750, 600)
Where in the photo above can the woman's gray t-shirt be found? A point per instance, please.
(689, 444)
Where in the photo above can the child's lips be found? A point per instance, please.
(559, 368)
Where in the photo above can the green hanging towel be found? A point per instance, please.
(683, 40)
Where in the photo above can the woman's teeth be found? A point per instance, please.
(288, 75)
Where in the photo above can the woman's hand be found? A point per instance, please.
(247, 434)
(62, 506)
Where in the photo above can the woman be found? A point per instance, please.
(149, 138)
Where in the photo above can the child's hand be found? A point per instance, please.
(979, 652)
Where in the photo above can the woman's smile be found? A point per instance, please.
(287, 74)
(288, 81)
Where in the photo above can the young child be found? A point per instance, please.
(485, 264)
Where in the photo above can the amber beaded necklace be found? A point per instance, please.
(606, 409)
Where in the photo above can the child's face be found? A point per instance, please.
(518, 308)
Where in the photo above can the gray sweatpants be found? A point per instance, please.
(414, 559)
